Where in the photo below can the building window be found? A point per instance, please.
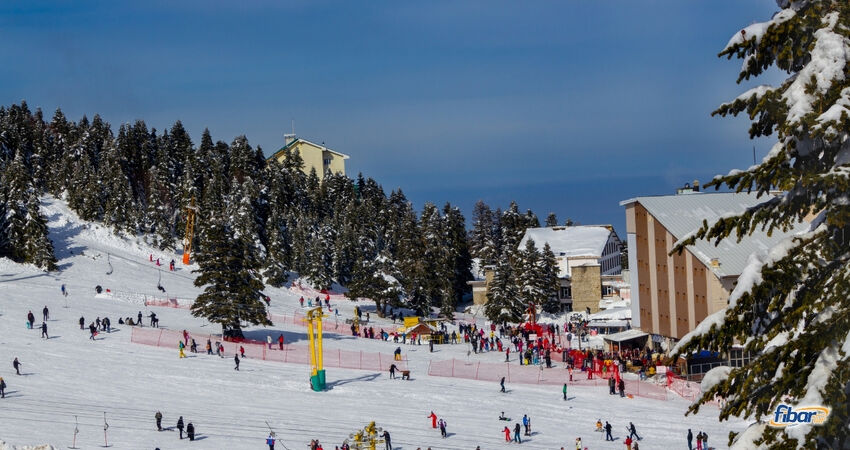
(607, 291)
(566, 292)
(327, 161)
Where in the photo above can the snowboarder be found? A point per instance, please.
(507, 432)
(2, 388)
(433, 416)
(565, 391)
(158, 418)
(46, 313)
(690, 439)
(17, 365)
(442, 425)
(633, 431)
(516, 434)
(44, 330)
(502, 383)
(392, 371)
(190, 429)
(180, 426)
(181, 346)
(236, 359)
(280, 341)
(387, 441)
(30, 320)
(608, 436)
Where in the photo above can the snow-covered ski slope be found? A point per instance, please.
(69, 375)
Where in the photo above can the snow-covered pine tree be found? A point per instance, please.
(232, 287)
(16, 180)
(457, 246)
(57, 142)
(529, 277)
(504, 302)
(551, 220)
(119, 207)
(374, 278)
(549, 275)
(38, 248)
(513, 227)
(481, 240)
(790, 307)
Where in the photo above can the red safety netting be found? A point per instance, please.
(296, 354)
(686, 389)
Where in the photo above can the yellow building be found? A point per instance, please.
(315, 156)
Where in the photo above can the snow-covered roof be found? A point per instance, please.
(682, 215)
(618, 313)
(625, 335)
(581, 240)
(320, 146)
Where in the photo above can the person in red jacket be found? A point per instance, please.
(507, 434)
(280, 341)
(433, 418)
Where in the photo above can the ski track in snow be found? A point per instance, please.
(69, 375)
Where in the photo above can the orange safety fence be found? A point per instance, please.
(513, 373)
(295, 354)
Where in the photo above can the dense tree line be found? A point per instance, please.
(521, 276)
(257, 221)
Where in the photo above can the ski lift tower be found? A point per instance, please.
(190, 230)
(317, 374)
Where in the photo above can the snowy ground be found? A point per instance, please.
(69, 375)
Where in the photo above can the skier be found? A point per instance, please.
(82, 323)
(442, 427)
(690, 439)
(190, 431)
(565, 391)
(139, 321)
(269, 340)
(17, 365)
(30, 320)
(502, 383)
(236, 359)
(158, 418)
(180, 426)
(633, 431)
(2, 388)
(44, 330)
(387, 441)
(608, 436)
(280, 341)
(622, 386)
(185, 337)
(301, 300)
(392, 371)
(526, 422)
(270, 442)
(92, 330)
(433, 416)
(242, 351)
(516, 434)
(64, 291)
(181, 346)
(194, 346)
(171, 266)
(46, 313)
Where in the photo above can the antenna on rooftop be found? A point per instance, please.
(754, 154)
(293, 127)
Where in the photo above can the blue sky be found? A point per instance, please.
(563, 106)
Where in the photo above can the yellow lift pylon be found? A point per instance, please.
(317, 372)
